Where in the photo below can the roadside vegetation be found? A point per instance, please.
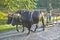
(5, 27)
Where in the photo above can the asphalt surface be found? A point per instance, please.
(50, 33)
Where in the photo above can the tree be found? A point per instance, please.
(13, 5)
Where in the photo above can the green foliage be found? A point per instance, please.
(45, 3)
(3, 17)
(13, 5)
(8, 27)
(41, 3)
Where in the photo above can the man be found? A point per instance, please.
(48, 17)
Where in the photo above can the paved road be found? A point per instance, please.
(51, 33)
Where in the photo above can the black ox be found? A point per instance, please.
(26, 18)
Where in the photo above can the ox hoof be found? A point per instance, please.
(31, 30)
(34, 31)
(43, 29)
(28, 33)
(22, 30)
(17, 30)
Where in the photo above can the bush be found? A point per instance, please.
(3, 17)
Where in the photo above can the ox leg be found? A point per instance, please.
(17, 28)
(23, 29)
(36, 28)
(28, 30)
(43, 27)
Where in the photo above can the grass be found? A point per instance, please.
(6, 27)
(55, 18)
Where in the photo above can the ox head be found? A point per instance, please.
(10, 16)
(16, 20)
